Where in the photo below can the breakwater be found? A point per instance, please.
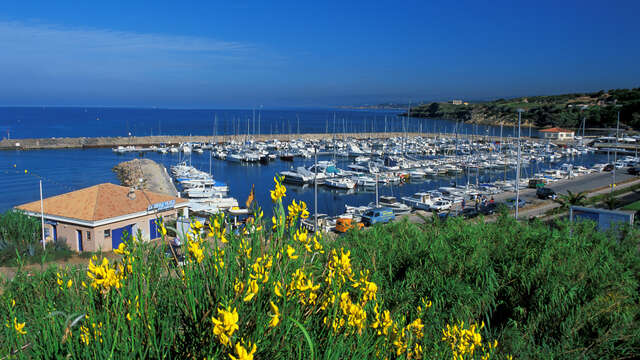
(108, 142)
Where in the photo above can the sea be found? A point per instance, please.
(67, 170)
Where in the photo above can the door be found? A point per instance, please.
(55, 233)
(153, 229)
(117, 234)
(79, 237)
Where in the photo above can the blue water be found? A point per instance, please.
(71, 169)
(46, 122)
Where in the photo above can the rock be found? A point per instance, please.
(145, 174)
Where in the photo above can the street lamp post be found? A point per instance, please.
(518, 166)
(615, 155)
(315, 189)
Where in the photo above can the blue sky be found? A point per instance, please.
(302, 53)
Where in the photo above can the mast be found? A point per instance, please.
(518, 167)
(260, 121)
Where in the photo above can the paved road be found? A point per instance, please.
(584, 183)
(578, 184)
(536, 207)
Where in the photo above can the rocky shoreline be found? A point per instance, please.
(147, 175)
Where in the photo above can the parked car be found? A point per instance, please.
(536, 183)
(489, 209)
(545, 193)
(441, 205)
(448, 214)
(379, 215)
(511, 203)
(634, 171)
(345, 224)
(608, 167)
(469, 213)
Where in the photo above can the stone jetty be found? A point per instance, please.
(141, 141)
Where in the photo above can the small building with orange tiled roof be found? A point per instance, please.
(556, 133)
(95, 218)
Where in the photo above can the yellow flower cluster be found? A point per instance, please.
(122, 250)
(137, 307)
(104, 277)
(93, 333)
(128, 259)
(260, 268)
(163, 230)
(218, 259)
(62, 284)
(426, 305)
(339, 267)
(408, 339)
(303, 284)
(311, 244)
(279, 192)
(290, 252)
(384, 323)
(17, 326)
(225, 325)
(252, 290)
(297, 210)
(464, 342)
(195, 251)
(347, 301)
(355, 314)
(275, 318)
(368, 288)
(243, 353)
(218, 230)
(245, 248)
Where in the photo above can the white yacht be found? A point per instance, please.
(340, 183)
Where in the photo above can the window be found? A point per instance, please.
(107, 233)
(88, 235)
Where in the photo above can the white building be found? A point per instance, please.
(557, 134)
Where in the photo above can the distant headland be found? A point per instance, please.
(598, 109)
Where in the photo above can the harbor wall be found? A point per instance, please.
(108, 142)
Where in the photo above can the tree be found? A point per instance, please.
(571, 199)
(433, 108)
(611, 202)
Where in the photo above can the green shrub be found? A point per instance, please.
(566, 291)
(392, 291)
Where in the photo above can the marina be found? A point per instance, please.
(439, 173)
(357, 159)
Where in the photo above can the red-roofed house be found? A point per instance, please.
(557, 133)
(96, 217)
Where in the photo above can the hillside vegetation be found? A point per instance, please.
(543, 111)
(448, 290)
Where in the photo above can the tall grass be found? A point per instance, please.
(273, 291)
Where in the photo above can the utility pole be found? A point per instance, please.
(518, 166)
(615, 156)
(377, 204)
(42, 217)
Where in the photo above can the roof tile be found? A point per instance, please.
(98, 202)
